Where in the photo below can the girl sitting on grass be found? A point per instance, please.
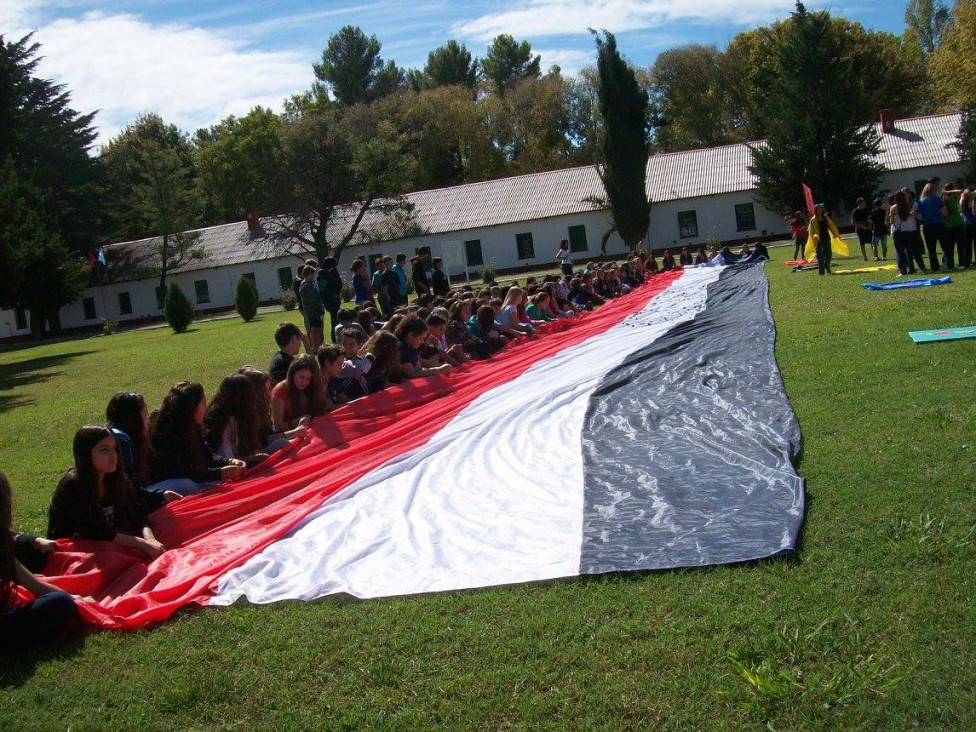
(231, 426)
(457, 333)
(383, 350)
(300, 395)
(539, 309)
(95, 500)
(508, 317)
(411, 334)
(180, 461)
(483, 327)
(47, 618)
(271, 440)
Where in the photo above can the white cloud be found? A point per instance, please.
(192, 77)
(542, 18)
(568, 60)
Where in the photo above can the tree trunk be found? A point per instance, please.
(164, 259)
(36, 326)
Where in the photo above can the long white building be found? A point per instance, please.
(512, 223)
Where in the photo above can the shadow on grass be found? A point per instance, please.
(18, 667)
(32, 371)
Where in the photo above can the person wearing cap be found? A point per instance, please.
(934, 212)
(861, 221)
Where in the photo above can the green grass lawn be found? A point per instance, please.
(869, 624)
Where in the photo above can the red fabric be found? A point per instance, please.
(210, 533)
(808, 197)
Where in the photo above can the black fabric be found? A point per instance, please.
(688, 447)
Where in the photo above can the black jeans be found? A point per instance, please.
(333, 319)
(917, 249)
(934, 233)
(967, 244)
(47, 618)
(824, 253)
(904, 240)
(953, 240)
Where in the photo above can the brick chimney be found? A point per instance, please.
(887, 121)
(253, 221)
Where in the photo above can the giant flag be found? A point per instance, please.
(653, 433)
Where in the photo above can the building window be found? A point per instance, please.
(577, 239)
(687, 224)
(160, 297)
(526, 250)
(472, 253)
(20, 316)
(88, 303)
(745, 217)
(203, 291)
(284, 277)
(125, 304)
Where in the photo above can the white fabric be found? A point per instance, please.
(495, 497)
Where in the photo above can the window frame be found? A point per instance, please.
(520, 241)
(285, 283)
(206, 288)
(752, 215)
(683, 226)
(125, 308)
(88, 306)
(581, 229)
(467, 253)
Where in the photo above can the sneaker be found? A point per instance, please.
(877, 259)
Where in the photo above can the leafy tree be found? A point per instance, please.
(246, 299)
(49, 189)
(814, 136)
(624, 109)
(688, 99)
(952, 65)
(925, 21)
(239, 162)
(508, 62)
(178, 309)
(165, 198)
(332, 180)
(967, 142)
(446, 132)
(352, 67)
(451, 65)
(121, 160)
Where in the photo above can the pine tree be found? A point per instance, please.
(178, 309)
(813, 134)
(246, 299)
(624, 147)
(49, 199)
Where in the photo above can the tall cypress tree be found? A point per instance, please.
(814, 135)
(624, 146)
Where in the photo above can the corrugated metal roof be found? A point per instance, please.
(917, 143)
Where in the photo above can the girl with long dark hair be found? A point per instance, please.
(230, 425)
(46, 618)
(129, 421)
(271, 440)
(179, 458)
(300, 395)
(95, 499)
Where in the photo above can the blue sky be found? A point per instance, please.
(196, 62)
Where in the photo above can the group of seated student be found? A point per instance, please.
(141, 460)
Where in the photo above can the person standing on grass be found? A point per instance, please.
(401, 273)
(904, 230)
(967, 205)
(565, 258)
(439, 283)
(314, 308)
(879, 230)
(954, 225)
(51, 615)
(421, 285)
(933, 211)
(392, 283)
(360, 284)
(822, 229)
(379, 287)
(861, 221)
(798, 228)
(330, 291)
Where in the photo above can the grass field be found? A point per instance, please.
(869, 624)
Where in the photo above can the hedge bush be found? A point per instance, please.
(177, 308)
(246, 299)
